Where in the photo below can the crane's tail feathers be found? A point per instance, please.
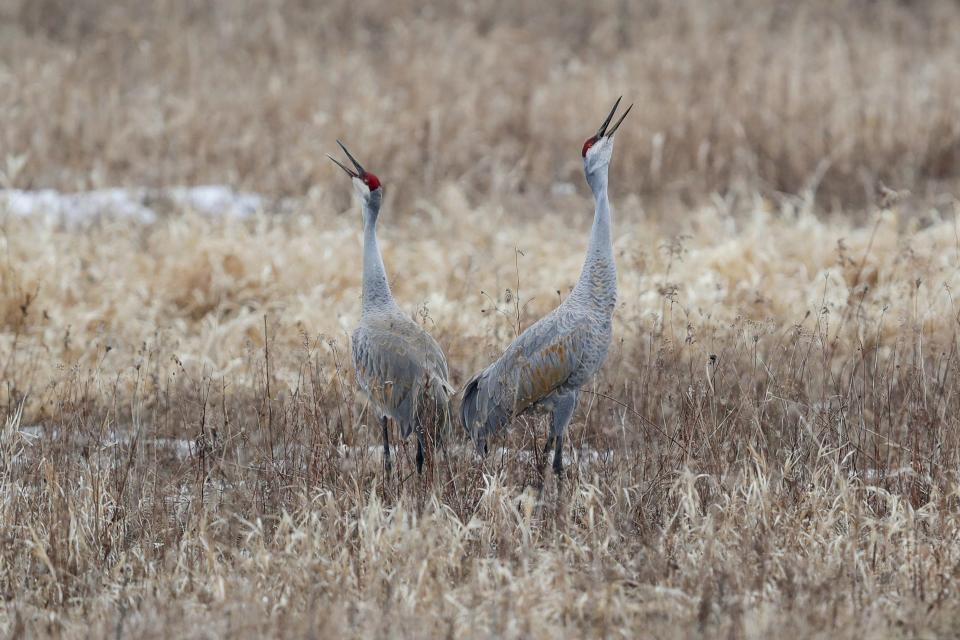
(482, 409)
(442, 392)
(468, 405)
(433, 410)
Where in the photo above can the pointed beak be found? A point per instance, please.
(339, 164)
(602, 131)
(603, 127)
(617, 126)
(356, 164)
(359, 168)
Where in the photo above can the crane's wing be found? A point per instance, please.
(535, 365)
(397, 363)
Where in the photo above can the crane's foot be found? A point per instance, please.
(419, 456)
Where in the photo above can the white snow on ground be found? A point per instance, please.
(140, 205)
(584, 457)
(216, 200)
(71, 208)
(873, 476)
(184, 448)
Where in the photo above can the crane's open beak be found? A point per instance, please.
(602, 131)
(353, 174)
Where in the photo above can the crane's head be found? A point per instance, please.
(599, 147)
(367, 185)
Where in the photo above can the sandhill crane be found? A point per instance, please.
(549, 362)
(399, 366)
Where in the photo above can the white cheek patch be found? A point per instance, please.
(602, 148)
(597, 146)
(361, 188)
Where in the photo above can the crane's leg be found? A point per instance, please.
(419, 450)
(562, 412)
(386, 446)
(558, 457)
(441, 423)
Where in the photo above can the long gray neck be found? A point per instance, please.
(597, 285)
(376, 289)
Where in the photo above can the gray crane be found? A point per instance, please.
(546, 365)
(399, 366)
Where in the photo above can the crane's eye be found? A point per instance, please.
(586, 145)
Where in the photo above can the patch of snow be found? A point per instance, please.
(347, 451)
(137, 204)
(213, 200)
(31, 432)
(182, 448)
(584, 457)
(72, 208)
(872, 476)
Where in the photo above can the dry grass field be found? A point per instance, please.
(772, 448)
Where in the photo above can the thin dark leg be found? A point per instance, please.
(562, 412)
(386, 447)
(558, 457)
(419, 451)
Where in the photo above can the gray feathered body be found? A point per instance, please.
(399, 366)
(549, 362)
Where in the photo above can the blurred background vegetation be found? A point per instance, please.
(733, 96)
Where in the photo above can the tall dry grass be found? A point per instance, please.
(772, 446)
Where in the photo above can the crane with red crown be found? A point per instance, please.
(546, 365)
(399, 366)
